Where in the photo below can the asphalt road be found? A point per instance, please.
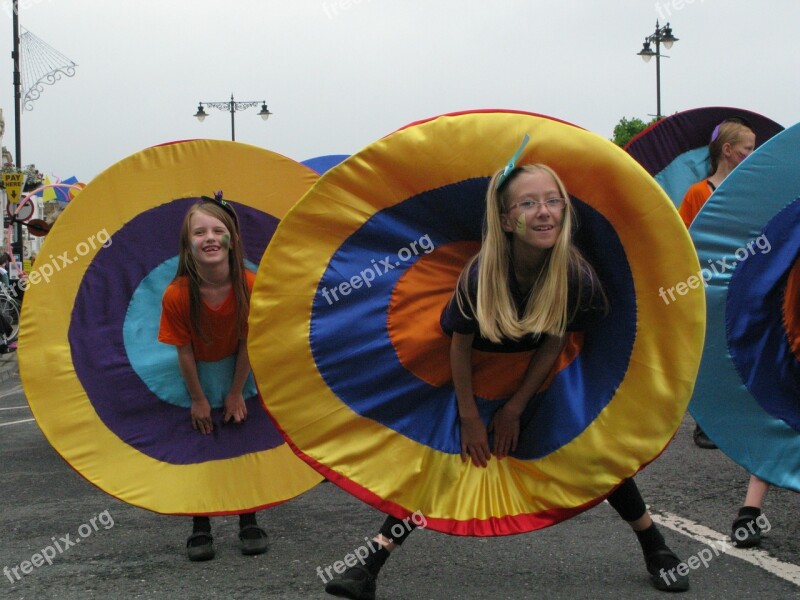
(117, 551)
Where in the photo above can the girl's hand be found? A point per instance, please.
(201, 416)
(505, 424)
(474, 441)
(235, 408)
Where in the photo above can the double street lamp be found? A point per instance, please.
(232, 107)
(662, 35)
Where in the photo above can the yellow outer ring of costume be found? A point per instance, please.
(399, 475)
(255, 177)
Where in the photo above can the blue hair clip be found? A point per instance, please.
(512, 164)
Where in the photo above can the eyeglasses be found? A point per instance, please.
(551, 204)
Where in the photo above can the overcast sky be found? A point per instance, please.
(339, 74)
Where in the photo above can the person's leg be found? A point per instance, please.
(201, 524)
(359, 582)
(200, 546)
(5, 328)
(756, 491)
(661, 562)
(746, 530)
(702, 440)
(252, 537)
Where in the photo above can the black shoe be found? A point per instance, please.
(357, 583)
(200, 546)
(745, 532)
(253, 540)
(662, 564)
(702, 440)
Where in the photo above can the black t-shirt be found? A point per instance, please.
(590, 308)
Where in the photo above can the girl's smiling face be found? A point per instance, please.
(528, 216)
(210, 239)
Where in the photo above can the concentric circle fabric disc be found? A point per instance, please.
(674, 150)
(321, 164)
(107, 395)
(366, 261)
(747, 397)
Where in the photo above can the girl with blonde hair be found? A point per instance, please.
(524, 290)
(732, 141)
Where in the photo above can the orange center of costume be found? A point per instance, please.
(425, 350)
(791, 309)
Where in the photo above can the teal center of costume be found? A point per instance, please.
(155, 362)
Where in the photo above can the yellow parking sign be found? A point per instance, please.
(13, 183)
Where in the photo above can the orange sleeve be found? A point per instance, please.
(693, 201)
(175, 326)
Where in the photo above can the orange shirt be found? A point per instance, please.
(693, 201)
(220, 324)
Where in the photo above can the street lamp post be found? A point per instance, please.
(662, 35)
(232, 106)
(19, 248)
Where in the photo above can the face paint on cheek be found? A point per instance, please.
(521, 225)
(226, 240)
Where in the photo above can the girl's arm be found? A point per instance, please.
(506, 420)
(235, 408)
(474, 440)
(201, 409)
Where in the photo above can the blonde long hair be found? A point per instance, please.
(187, 265)
(546, 310)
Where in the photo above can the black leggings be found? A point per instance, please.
(626, 500)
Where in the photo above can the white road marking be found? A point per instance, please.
(16, 408)
(15, 422)
(707, 536)
(12, 391)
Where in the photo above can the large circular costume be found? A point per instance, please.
(674, 150)
(321, 164)
(747, 235)
(366, 261)
(106, 394)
